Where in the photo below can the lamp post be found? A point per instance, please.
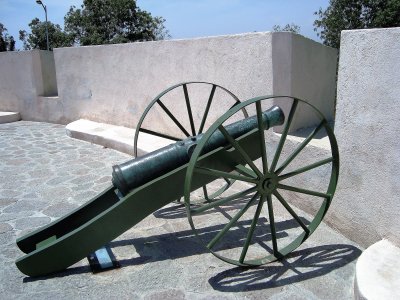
(47, 30)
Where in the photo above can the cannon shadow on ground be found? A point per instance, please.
(298, 266)
(184, 243)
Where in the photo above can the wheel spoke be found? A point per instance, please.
(236, 145)
(231, 222)
(234, 104)
(209, 198)
(166, 110)
(165, 136)
(245, 171)
(261, 129)
(284, 135)
(291, 211)
(251, 230)
(306, 168)
(195, 211)
(245, 114)
(272, 225)
(217, 173)
(205, 193)
(303, 191)
(227, 181)
(203, 120)
(189, 109)
(299, 148)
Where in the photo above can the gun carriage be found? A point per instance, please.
(231, 150)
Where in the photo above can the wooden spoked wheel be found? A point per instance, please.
(185, 110)
(258, 220)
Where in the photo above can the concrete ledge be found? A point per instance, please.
(9, 116)
(50, 98)
(378, 272)
(115, 137)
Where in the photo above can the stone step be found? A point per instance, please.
(9, 116)
(115, 137)
(378, 272)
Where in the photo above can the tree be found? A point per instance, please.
(37, 38)
(288, 27)
(7, 42)
(355, 14)
(112, 21)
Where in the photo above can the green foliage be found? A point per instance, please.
(355, 14)
(288, 27)
(37, 38)
(7, 42)
(112, 21)
(96, 22)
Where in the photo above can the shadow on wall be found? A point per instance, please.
(48, 72)
(305, 132)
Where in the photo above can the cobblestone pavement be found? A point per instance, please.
(44, 174)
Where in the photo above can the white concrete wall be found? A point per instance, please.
(48, 70)
(24, 76)
(367, 205)
(304, 69)
(17, 83)
(114, 83)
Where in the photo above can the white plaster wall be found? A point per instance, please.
(17, 83)
(48, 70)
(313, 78)
(305, 69)
(367, 206)
(114, 83)
(24, 76)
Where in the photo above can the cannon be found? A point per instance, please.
(233, 150)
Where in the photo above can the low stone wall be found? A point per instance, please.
(16, 79)
(48, 71)
(367, 206)
(25, 77)
(304, 69)
(114, 83)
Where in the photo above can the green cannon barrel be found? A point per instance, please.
(135, 172)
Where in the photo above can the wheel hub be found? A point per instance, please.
(268, 184)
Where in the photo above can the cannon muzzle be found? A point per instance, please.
(135, 172)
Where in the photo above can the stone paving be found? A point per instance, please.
(44, 174)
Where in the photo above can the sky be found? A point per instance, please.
(184, 18)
